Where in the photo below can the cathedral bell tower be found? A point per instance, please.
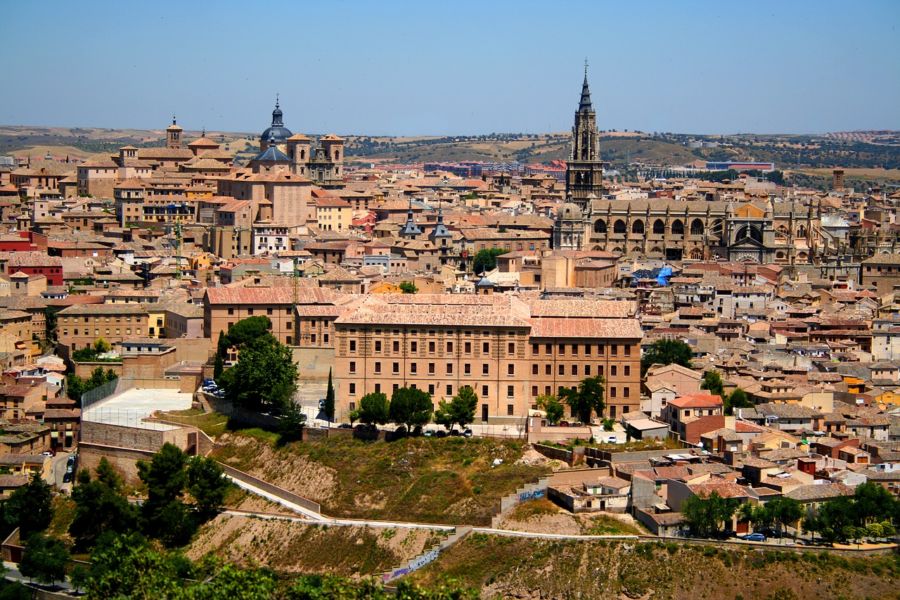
(584, 171)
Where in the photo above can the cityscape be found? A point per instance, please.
(271, 352)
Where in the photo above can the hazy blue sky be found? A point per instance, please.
(453, 67)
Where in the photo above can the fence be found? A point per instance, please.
(99, 393)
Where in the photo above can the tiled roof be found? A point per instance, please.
(697, 401)
(267, 295)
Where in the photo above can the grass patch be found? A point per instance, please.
(211, 423)
(438, 480)
(63, 515)
(606, 525)
(533, 508)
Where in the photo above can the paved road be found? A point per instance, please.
(13, 574)
(58, 471)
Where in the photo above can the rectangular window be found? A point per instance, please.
(510, 369)
(325, 338)
(352, 388)
(484, 369)
(413, 346)
(587, 370)
(534, 349)
(431, 368)
(396, 346)
(353, 366)
(613, 349)
(612, 392)
(534, 390)
(449, 346)
(627, 349)
(468, 347)
(510, 391)
(449, 389)
(627, 370)
(352, 345)
(449, 368)
(485, 347)
(511, 348)
(534, 369)
(509, 410)
(548, 348)
(467, 369)
(574, 369)
(378, 367)
(587, 349)
(613, 371)
(547, 369)
(395, 368)
(562, 369)
(431, 389)
(562, 349)
(378, 346)
(431, 346)
(484, 390)
(574, 349)
(627, 390)
(413, 368)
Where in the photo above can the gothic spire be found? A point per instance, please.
(585, 103)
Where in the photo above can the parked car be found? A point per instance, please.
(48, 453)
(611, 439)
(441, 433)
(467, 432)
(753, 537)
(219, 393)
(428, 433)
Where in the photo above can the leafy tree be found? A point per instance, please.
(164, 514)
(264, 378)
(706, 516)
(328, 407)
(101, 346)
(374, 409)
(100, 507)
(44, 559)
(459, 411)
(29, 508)
(782, 511)
(410, 407)
(873, 503)
(712, 381)
(486, 259)
(736, 399)
(207, 484)
(291, 424)
(126, 567)
(408, 287)
(552, 407)
(585, 399)
(245, 331)
(666, 352)
(218, 366)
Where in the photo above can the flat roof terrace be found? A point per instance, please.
(131, 407)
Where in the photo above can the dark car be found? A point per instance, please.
(754, 537)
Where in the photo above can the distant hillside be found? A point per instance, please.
(859, 150)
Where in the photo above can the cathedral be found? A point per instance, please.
(671, 229)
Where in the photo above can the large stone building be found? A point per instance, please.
(784, 232)
(507, 349)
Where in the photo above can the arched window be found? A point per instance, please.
(677, 227)
(749, 231)
(696, 254)
(619, 226)
(801, 231)
(659, 227)
(337, 155)
(637, 227)
(600, 226)
(697, 227)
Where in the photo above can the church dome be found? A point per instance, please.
(569, 212)
(277, 133)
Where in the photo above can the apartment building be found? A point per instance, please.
(80, 325)
(508, 350)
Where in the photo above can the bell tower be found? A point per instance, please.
(173, 135)
(584, 170)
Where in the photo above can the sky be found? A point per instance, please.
(456, 67)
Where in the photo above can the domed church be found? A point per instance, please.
(323, 163)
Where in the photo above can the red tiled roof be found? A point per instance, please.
(697, 401)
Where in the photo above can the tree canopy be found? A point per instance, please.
(552, 407)
(408, 287)
(100, 507)
(374, 409)
(44, 559)
(459, 411)
(264, 378)
(712, 382)
(849, 517)
(736, 399)
(328, 407)
(707, 516)
(486, 259)
(666, 352)
(410, 407)
(585, 399)
(29, 508)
